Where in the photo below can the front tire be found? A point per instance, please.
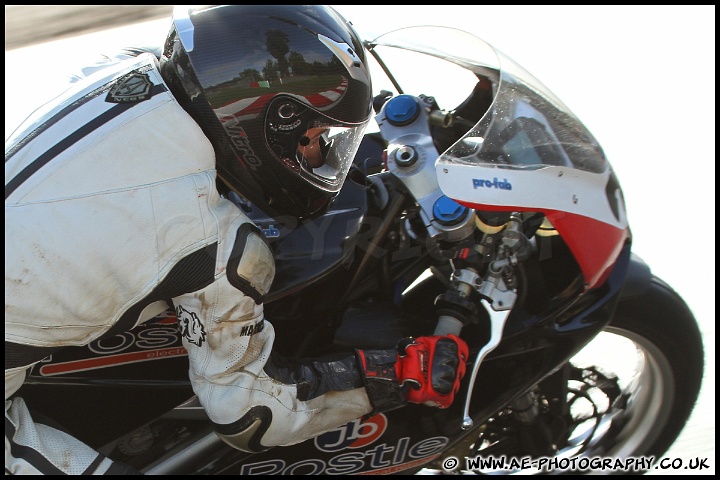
(664, 330)
(648, 364)
(629, 392)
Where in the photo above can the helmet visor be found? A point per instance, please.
(314, 146)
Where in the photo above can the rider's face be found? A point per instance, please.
(311, 149)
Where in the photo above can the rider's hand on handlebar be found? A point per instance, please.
(424, 370)
(430, 368)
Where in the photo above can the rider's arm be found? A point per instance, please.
(257, 399)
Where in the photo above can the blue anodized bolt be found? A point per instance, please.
(447, 211)
(402, 110)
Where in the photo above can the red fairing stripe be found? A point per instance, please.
(595, 245)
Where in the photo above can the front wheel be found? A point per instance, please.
(628, 393)
(661, 376)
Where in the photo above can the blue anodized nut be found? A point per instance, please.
(402, 110)
(447, 211)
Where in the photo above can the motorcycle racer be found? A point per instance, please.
(115, 201)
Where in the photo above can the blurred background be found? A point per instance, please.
(641, 78)
(27, 25)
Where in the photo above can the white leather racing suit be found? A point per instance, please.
(111, 216)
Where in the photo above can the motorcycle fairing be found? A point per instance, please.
(554, 191)
(528, 152)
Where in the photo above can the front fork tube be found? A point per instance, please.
(535, 435)
(494, 287)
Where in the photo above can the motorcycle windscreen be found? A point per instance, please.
(530, 153)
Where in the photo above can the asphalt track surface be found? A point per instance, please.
(27, 25)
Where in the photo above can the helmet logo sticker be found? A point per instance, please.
(190, 326)
(240, 140)
(132, 88)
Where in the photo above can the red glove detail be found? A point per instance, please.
(432, 368)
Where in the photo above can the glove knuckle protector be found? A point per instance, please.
(424, 370)
(442, 366)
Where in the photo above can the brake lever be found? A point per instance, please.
(501, 300)
(497, 325)
(494, 290)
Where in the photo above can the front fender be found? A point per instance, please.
(637, 278)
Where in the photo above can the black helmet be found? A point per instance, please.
(282, 91)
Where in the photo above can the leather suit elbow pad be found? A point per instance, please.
(245, 434)
(329, 388)
(284, 421)
(251, 266)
